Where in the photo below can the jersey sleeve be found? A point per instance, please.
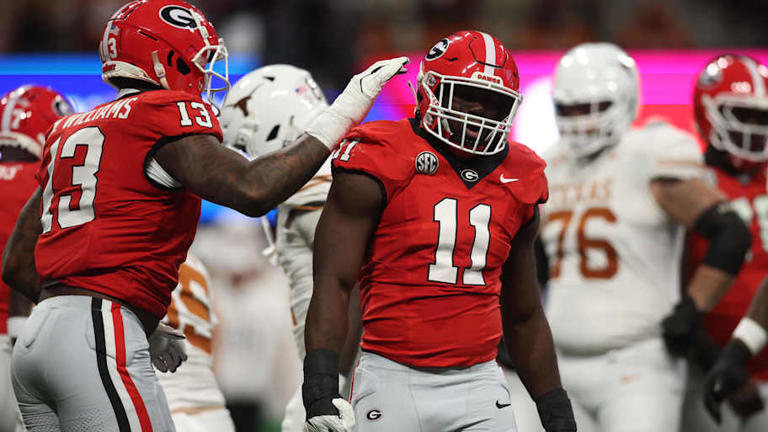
(672, 153)
(174, 114)
(368, 149)
(532, 187)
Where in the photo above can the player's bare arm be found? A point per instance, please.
(19, 270)
(349, 219)
(527, 333)
(695, 204)
(255, 188)
(222, 176)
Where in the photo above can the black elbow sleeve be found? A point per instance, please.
(729, 238)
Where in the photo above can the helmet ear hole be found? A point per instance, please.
(182, 66)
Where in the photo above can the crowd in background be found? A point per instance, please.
(331, 37)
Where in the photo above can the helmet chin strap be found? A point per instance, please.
(160, 70)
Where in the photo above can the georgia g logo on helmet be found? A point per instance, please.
(438, 50)
(178, 16)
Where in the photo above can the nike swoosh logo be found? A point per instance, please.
(500, 405)
(507, 180)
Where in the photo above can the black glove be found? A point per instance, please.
(726, 376)
(680, 327)
(555, 411)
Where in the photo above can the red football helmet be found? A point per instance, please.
(168, 43)
(468, 65)
(27, 113)
(730, 106)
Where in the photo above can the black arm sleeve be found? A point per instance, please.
(729, 237)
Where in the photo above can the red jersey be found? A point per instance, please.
(17, 183)
(107, 226)
(430, 281)
(749, 199)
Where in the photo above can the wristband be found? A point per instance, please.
(752, 334)
(16, 326)
(321, 376)
(329, 127)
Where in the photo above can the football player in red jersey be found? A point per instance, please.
(26, 113)
(435, 216)
(100, 242)
(731, 113)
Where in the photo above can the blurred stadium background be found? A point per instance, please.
(54, 42)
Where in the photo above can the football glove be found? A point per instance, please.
(555, 411)
(727, 375)
(326, 410)
(681, 326)
(166, 348)
(351, 106)
(343, 421)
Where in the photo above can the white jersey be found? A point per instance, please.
(614, 254)
(297, 218)
(193, 385)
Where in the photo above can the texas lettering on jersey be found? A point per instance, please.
(108, 226)
(430, 286)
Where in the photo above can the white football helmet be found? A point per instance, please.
(596, 94)
(269, 108)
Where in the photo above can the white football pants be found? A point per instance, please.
(10, 418)
(83, 364)
(638, 388)
(388, 396)
(217, 420)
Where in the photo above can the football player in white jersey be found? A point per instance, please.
(194, 397)
(620, 202)
(265, 110)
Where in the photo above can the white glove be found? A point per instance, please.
(344, 422)
(166, 348)
(354, 102)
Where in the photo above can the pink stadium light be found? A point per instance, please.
(667, 78)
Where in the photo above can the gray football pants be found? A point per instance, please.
(388, 396)
(83, 364)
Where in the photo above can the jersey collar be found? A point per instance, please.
(481, 165)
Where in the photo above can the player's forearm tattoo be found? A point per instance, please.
(280, 174)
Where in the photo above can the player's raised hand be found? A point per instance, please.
(351, 106)
(727, 375)
(166, 348)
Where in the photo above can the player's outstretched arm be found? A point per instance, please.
(253, 188)
(222, 176)
(19, 271)
(349, 219)
(703, 209)
(527, 333)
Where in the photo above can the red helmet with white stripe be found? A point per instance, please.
(468, 92)
(730, 106)
(27, 113)
(168, 43)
